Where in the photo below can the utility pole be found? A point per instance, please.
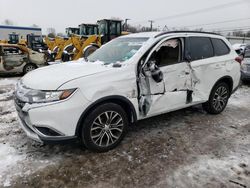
(151, 24)
(126, 24)
(165, 28)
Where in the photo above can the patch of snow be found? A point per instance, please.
(130, 158)
(9, 157)
(8, 81)
(206, 169)
(240, 97)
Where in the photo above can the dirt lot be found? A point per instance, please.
(186, 148)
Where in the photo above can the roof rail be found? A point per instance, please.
(170, 32)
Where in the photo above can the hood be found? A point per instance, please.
(53, 76)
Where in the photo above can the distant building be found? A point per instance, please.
(5, 30)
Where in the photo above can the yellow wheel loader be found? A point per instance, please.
(14, 39)
(103, 32)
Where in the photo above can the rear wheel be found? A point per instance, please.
(218, 99)
(29, 67)
(104, 127)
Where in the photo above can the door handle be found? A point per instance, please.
(217, 66)
(181, 75)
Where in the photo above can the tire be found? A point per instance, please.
(65, 57)
(98, 134)
(218, 99)
(29, 67)
(89, 50)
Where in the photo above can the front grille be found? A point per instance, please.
(248, 68)
(18, 102)
(47, 131)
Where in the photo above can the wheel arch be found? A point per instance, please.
(29, 63)
(228, 80)
(120, 100)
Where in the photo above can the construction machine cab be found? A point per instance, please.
(109, 29)
(36, 43)
(13, 38)
(72, 31)
(88, 29)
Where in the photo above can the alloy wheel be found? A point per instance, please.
(107, 128)
(220, 98)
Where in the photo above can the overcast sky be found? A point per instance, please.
(60, 14)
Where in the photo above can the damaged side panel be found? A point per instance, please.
(178, 87)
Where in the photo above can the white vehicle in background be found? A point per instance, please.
(130, 78)
(245, 65)
(239, 48)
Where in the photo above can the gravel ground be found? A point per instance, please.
(186, 148)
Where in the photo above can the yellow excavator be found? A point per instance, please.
(55, 47)
(93, 36)
(14, 39)
(34, 42)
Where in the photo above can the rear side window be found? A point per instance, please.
(200, 48)
(220, 48)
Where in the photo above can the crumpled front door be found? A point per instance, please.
(14, 61)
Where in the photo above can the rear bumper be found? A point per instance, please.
(245, 76)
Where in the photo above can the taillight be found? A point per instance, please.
(239, 59)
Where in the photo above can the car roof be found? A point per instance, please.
(159, 34)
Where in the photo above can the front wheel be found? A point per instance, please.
(29, 67)
(218, 99)
(104, 127)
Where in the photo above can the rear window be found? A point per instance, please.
(200, 48)
(220, 48)
(11, 51)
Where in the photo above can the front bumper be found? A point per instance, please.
(33, 133)
(51, 122)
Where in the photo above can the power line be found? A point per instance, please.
(232, 30)
(221, 6)
(221, 22)
(229, 29)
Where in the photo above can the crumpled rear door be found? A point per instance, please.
(14, 60)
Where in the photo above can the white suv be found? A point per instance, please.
(130, 78)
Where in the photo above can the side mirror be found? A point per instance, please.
(188, 58)
(156, 73)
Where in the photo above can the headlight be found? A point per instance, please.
(36, 96)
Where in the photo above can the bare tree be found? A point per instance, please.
(51, 32)
(60, 34)
(8, 22)
(34, 25)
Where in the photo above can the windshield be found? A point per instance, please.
(83, 30)
(103, 28)
(118, 50)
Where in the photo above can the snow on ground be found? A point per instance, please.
(9, 157)
(8, 81)
(187, 148)
(13, 141)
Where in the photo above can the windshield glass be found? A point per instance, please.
(118, 50)
(82, 30)
(103, 28)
